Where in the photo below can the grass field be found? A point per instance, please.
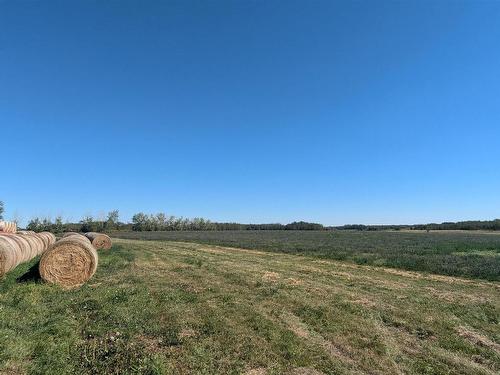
(464, 254)
(158, 307)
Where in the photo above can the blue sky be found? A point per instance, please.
(251, 111)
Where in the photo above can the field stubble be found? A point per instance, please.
(159, 307)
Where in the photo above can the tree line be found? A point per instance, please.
(143, 222)
(459, 225)
(163, 222)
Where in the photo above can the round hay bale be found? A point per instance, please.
(70, 234)
(24, 248)
(48, 238)
(38, 242)
(77, 235)
(8, 254)
(8, 227)
(99, 240)
(52, 237)
(18, 250)
(25, 232)
(32, 250)
(70, 262)
(44, 239)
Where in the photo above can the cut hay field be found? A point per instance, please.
(454, 253)
(160, 307)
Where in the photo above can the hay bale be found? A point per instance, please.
(8, 227)
(50, 236)
(37, 245)
(9, 254)
(67, 234)
(44, 239)
(99, 240)
(33, 245)
(18, 248)
(25, 232)
(78, 235)
(70, 262)
(24, 253)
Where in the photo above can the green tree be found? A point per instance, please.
(88, 224)
(1, 210)
(58, 226)
(35, 225)
(139, 221)
(113, 217)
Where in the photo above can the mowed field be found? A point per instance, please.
(164, 307)
(453, 253)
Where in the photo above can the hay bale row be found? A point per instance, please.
(19, 248)
(70, 262)
(8, 227)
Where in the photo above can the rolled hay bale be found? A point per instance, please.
(67, 234)
(24, 253)
(70, 262)
(18, 248)
(37, 244)
(51, 238)
(47, 238)
(99, 240)
(44, 239)
(8, 254)
(33, 245)
(78, 235)
(25, 232)
(8, 227)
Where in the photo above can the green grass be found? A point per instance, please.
(184, 308)
(464, 254)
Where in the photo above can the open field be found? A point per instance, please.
(157, 307)
(454, 253)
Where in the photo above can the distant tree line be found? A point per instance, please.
(460, 225)
(163, 222)
(155, 222)
(87, 224)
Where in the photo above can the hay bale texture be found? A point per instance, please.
(8, 227)
(67, 234)
(19, 248)
(25, 232)
(78, 235)
(99, 240)
(70, 262)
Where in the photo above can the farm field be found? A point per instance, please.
(164, 307)
(454, 253)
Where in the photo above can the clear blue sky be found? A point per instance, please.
(251, 111)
